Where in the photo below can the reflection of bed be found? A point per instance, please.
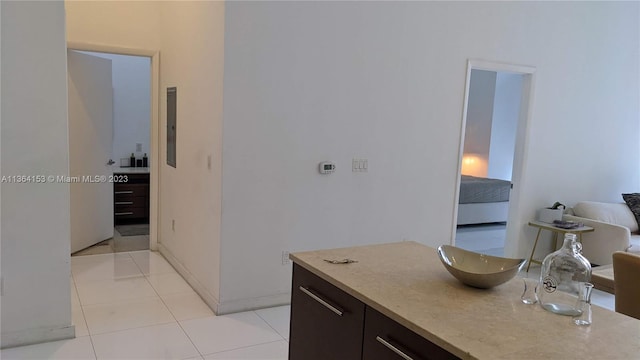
(483, 200)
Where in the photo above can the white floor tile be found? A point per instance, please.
(171, 283)
(75, 300)
(96, 259)
(186, 306)
(278, 350)
(78, 348)
(166, 341)
(106, 291)
(278, 318)
(229, 332)
(118, 267)
(91, 259)
(151, 263)
(77, 319)
(102, 318)
(481, 238)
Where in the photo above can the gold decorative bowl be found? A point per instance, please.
(478, 270)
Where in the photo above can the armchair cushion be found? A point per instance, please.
(599, 245)
(612, 213)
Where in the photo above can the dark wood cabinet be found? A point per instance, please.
(328, 323)
(131, 198)
(385, 339)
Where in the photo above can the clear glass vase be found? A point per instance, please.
(561, 276)
(584, 305)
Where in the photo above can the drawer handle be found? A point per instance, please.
(318, 299)
(124, 202)
(124, 213)
(393, 348)
(123, 192)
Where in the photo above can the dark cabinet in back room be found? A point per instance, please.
(131, 199)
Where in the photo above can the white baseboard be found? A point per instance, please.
(208, 298)
(227, 307)
(37, 335)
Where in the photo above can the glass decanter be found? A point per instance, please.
(561, 276)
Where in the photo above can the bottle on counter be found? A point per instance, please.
(132, 161)
(562, 274)
(145, 161)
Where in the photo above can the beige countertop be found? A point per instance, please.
(131, 170)
(407, 282)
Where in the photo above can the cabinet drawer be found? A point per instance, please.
(121, 191)
(129, 212)
(133, 178)
(385, 339)
(132, 201)
(326, 322)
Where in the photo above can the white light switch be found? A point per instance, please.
(359, 165)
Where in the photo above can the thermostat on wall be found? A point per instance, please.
(327, 167)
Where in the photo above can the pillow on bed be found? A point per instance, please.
(633, 202)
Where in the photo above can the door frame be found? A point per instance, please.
(154, 179)
(522, 137)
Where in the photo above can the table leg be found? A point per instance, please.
(534, 248)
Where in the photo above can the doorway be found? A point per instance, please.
(148, 144)
(129, 138)
(492, 149)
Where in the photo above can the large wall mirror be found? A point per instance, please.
(496, 111)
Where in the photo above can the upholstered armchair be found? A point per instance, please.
(615, 229)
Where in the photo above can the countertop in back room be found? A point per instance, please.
(131, 170)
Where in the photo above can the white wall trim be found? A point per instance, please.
(208, 298)
(155, 123)
(239, 305)
(522, 136)
(211, 301)
(478, 64)
(37, 335)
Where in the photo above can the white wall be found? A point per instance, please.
(506, 112)
(36, 303)
(478, 135)
(129, 24)
(190, 195)
(307, 82)
(131, 104)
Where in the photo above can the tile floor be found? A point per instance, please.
(486, 238)
(134, 305)
(117, 243)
